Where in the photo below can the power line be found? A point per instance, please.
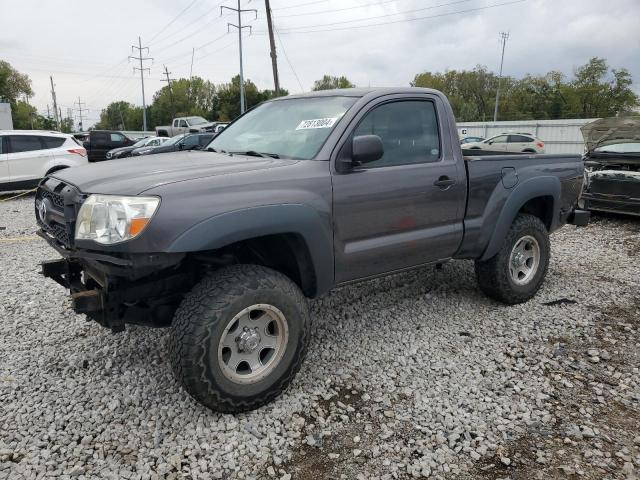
(431, 7)
(239, 26)
(163, 29)
(301, 5)
(293, 30)
(287, 59)
(334, 10)
(140, 48)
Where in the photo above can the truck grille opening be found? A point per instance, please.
(56, 205)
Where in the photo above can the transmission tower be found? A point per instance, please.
(80, 104)
(503, 38)
(239, 26)
(168, 80)
(142, 68)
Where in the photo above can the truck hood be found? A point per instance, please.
(609, 131)
(132, 176)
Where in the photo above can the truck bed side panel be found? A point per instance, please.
(493, 203)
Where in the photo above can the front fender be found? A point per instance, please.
(535, 187)
(231, 227)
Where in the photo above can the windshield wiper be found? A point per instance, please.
(253, 153)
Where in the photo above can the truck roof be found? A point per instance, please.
(361, 92)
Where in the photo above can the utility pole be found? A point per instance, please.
(140, 48)
(55, 104)
(272, 43)
(504, 36)
(239, 26)
(79, 103)
(168, 80)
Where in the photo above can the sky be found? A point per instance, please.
(84, 44)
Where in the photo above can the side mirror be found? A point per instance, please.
(366, 148)
(490, 143)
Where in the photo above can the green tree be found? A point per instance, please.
(13, 84)
(327, 82)
(25, 116)
(229, 97)
(185, 97)
(120, 115)
(593, 92)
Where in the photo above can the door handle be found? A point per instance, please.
(444, 182)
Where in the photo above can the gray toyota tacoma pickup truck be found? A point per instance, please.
(298, 195)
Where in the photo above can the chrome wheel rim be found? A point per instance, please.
(524, 260)
(253, 343)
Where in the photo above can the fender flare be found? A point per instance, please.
(231, 227)
(521, 194)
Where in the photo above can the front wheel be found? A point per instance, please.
(516, 272)
(239, 337)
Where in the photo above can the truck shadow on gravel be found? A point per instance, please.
(596, 415)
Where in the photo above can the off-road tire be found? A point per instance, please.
(493, 274)
(201, 319)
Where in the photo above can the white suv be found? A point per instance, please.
(509, 142)
(26, 156)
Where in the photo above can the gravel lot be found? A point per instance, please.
(416, 375)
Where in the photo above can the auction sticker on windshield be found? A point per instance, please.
(317, 123)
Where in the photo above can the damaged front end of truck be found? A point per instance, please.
(612, 165)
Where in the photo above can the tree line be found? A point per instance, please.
(594, 90)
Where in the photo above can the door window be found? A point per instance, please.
(117, 138)
(408, 129)
(498, 139)
(24, 143)
(183, 123)
(190, 141)
(99, 139)
(175, 123)
(2, 147)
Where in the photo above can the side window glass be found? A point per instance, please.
(175, 123)
(500, 139)
(191, 141)
(24, 143)
(408, 129)
(117, 138)
(52, 142)
(183, 123)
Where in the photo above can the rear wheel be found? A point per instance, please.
(516, 272)
(239, 337)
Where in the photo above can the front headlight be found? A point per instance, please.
(110, 219)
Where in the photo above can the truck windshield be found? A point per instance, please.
(196, 120)
(290, 128)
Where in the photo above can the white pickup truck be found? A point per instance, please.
(189, 125)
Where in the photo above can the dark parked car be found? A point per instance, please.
(101, 141)
(298, 195)
(613, 165)
(194, 141)
(124, 152)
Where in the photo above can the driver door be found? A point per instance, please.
(497, 144)
(405, 209)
